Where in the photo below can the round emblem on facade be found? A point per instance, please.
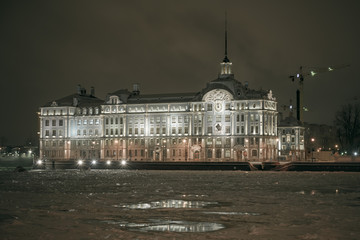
(218, 106)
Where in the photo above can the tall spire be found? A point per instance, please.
(226, 64)
(226, 58)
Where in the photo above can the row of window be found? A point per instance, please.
(88, 121)
(53, 122)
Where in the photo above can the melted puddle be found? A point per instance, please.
(169, 204)
(171, 226)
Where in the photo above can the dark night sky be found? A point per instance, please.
(48, 47)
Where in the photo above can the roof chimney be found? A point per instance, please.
(78, 89)
(136, 89)
(92, 91)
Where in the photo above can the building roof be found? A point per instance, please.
(290, 121)
(76, 100)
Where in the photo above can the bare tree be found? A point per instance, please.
(347, 123)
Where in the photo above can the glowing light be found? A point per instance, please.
(80, 162)
(313, 139)
(93, 162)
(312, 73)
(39, 162)
(108, 162)
(355, 154)
(330, 69)
(123, 162)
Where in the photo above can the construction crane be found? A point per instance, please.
(300, 76)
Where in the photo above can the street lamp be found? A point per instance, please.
(117, 149)
(185, 149)
(312, 149)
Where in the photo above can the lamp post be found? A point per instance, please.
(312, 149)
(117, 149)
(164, 150)
(185, 146)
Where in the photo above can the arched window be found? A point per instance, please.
(218, 153)
(254, 153)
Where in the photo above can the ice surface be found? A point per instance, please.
(123, 204)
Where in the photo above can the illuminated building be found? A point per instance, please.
(225, 121)
(291, 134)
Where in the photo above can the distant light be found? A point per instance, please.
(93, 162)
(330, 69)
(80, 162)
(355, 153)
(108, 162)
(123, 162)
(39, 162)
(298, 75)
(312, 73)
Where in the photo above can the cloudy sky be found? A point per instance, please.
(48, 47)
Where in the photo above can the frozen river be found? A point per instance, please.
(122, 204)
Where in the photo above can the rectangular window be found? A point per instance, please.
(227, 129)
(163, 131)
(46, 133)
(85, 121)
(91, 121)
(210, 130)
(107, 131)
(209, 107)
(257, 129)
(130, 130)
(54, 122)
(186, 130)
(136, 130)
(142, 130)
(180, 119)
(227, 118)
(173, 119)
(152, 130)
(227, 153)
(158, 130)
(53, 133)
(173, 152)
(46, 122)
(218, 118)
(61, 122)
(60, 133)
(242, 117)
(173, 130)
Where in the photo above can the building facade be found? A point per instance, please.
(225, 121)
(291, 134)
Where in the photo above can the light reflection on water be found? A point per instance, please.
(234, 213)
(171, 226)
(172, 203)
